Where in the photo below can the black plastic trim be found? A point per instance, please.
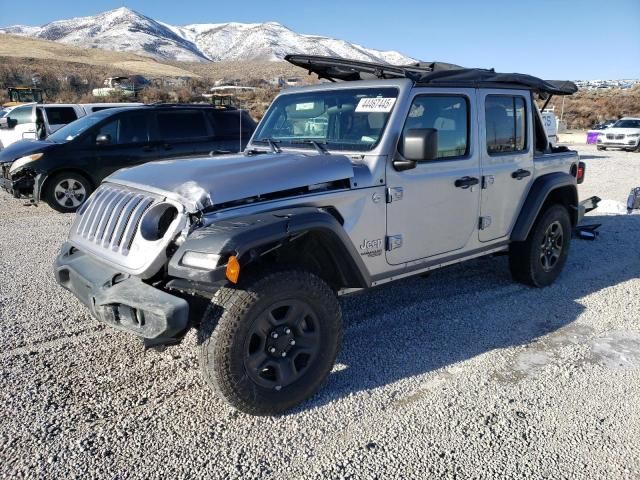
(251, 236)
(540, 191)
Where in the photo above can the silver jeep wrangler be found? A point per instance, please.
(384, 173)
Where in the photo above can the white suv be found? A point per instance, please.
(624, 134)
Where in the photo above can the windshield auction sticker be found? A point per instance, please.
(378, 105)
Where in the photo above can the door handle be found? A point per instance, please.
(147, 148)
(520, 174)
(167, 146)
(466, 182)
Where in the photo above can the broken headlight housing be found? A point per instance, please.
(22, 161)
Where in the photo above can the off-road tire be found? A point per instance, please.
(525, 258)
(49, 193)
(227, 333)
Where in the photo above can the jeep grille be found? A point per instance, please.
(108, 227)
(112, 217)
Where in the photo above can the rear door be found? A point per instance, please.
(57, 117)
(506, 158)
(180, 133)
(433, 208)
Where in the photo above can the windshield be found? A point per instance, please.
(627, 124)
(347, 119)
(74, 129)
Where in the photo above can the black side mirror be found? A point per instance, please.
(8, 122)
(103, 139)
(417, 145)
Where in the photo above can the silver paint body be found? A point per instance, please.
(430, 221)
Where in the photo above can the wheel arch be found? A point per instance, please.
(546, 190)
(44, 178)
(308, 238)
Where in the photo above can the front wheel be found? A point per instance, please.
(540, 259)
(270, 345)
(66, 192)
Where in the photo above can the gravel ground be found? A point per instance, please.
(463, 374)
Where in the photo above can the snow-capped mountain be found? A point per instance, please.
(126, 30)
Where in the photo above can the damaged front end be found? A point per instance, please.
(20, 183)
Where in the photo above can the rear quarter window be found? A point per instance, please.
(228, 123)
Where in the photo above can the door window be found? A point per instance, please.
(126, 129)
(505, 118)
(449, 115)
(181, 125)
(21, 115)
(60, 115)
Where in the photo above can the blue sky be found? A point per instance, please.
(579, 39)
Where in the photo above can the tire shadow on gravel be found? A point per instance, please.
(419, 325)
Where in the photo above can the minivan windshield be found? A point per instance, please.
(627, 124)
(345, 119)
(74, 129)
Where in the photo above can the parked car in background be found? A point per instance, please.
(33, 121)
(624, 134)
(65, 168)
(603, 125)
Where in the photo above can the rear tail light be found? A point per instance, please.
(580, 171)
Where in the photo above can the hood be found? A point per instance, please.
(202, 182)
(618, 131)
(22, 148)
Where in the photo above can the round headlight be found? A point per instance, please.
(157, 220)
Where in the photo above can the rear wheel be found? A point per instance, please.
(270, 345)
(540, 259)
(66, 192)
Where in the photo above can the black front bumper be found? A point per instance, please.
(125, 303)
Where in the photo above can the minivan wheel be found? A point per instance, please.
(269, 345)
(540, 259)
(66, 192)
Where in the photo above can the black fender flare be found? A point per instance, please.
(542, 188)
(249, 237)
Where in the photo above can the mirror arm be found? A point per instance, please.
(400, 163)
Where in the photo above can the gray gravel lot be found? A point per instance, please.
(463, 374)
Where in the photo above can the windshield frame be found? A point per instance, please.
(298, 143)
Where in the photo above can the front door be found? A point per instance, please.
(128, 143)
(433, 208)
(506, 159)
(21, 124)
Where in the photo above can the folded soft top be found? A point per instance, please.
(427, 73)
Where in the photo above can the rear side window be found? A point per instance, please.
(227, 123)
(448, 115)
(60, 115)
(181, 125)
(505, 118)
(21, 114)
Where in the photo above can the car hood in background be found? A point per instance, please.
(203, 182)
(22, 148)
(620, 131)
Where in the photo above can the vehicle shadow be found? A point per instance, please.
(420, 325)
